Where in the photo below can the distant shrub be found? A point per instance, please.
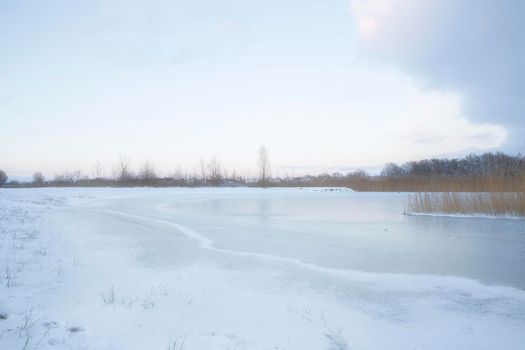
(38, 178)
(147, 174)
(3, 177)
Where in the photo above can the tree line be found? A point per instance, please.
(487, 172)
(210, 173)
(483, 172)
(486, 164)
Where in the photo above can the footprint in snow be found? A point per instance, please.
(75, 329)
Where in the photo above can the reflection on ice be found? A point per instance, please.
(362, 231)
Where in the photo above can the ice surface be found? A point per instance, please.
(253, 269)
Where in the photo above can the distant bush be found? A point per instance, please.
(3, 177)
(146, 174)
(38, 178)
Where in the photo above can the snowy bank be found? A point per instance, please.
(122, 269)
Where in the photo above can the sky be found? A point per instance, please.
(325, 85)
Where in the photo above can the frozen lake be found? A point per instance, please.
(361, 231)
(261, 268)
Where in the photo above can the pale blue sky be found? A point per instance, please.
(324, 84)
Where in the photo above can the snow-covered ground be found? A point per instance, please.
(252, 269)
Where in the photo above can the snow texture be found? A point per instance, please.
(242, 268)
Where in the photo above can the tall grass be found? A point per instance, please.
(470, 203)
(446, 184)
(412, 183)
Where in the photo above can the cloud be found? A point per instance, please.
(474, 47)
(432, 124)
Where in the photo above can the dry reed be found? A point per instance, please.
(416, 183)
(511, 204)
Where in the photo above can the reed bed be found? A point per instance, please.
(497, 204)
(446, 184)
(415, 183)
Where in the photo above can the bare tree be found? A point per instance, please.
(203, 171)
(179, 174)
(69, 177)
(77, 176)
(214, 171)
(3, 177)
(392, 170)
(147, 172)
(123, 171)
(263, 163)
(98, 171)
(38, 178)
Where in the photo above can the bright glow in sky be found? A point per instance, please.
(172, 82)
